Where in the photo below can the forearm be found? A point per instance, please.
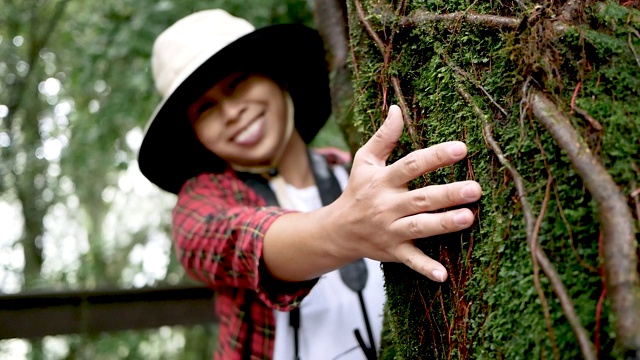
(218, 235)
(302, 246)
(221, 248)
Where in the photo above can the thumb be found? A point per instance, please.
(379, 147)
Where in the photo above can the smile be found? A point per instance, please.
(252, 133)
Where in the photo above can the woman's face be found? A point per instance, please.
(241, 119)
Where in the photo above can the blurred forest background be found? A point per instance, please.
(75, 213)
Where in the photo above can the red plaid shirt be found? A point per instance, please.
(218, 226)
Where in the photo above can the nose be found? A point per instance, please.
(232, 110)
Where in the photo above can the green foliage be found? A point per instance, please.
(75, 94)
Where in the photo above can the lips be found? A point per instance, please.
(250, 134)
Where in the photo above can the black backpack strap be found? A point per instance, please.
(328, 186)
(261, 186)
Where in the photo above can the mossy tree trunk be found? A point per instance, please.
(547, 97)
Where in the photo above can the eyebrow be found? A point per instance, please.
(237, 80)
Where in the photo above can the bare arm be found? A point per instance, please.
(377, 216)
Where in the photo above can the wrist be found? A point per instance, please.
(334, 225)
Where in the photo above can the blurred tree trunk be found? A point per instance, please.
(24, 165)
(331, 21)
(24, 160)
(547, 97)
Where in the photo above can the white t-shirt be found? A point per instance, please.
(331, 312)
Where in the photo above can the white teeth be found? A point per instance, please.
(249, 132)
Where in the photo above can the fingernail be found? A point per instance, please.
(469, 192)
(461, 218)
(438, 275)
(458, 149)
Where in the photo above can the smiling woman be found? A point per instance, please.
(239, 119)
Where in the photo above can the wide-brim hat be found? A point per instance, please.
(201, 49)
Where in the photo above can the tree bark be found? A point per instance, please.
(546, 97)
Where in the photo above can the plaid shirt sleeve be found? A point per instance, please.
(218, 227)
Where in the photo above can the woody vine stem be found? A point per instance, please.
(539, 257)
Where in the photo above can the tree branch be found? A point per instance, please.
(421, 18)
(368, 27)
(405, 110)
(615, 218)
(533, 245)
(425, 17)
(633, 49)
(558, 286)
(468, 76)
(38, 42)
(385, 50)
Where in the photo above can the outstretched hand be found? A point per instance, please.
(382, 217)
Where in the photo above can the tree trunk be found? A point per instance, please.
(331, 20)
(547, 97)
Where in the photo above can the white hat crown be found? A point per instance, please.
(184, 46)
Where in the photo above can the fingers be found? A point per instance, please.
(379, 147)
(430, 224)
(424, 225)
(418, 261)
(436, 197)
(426, 160)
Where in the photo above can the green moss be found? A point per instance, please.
(490, 308)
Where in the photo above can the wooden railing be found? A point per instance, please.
(37, 314)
